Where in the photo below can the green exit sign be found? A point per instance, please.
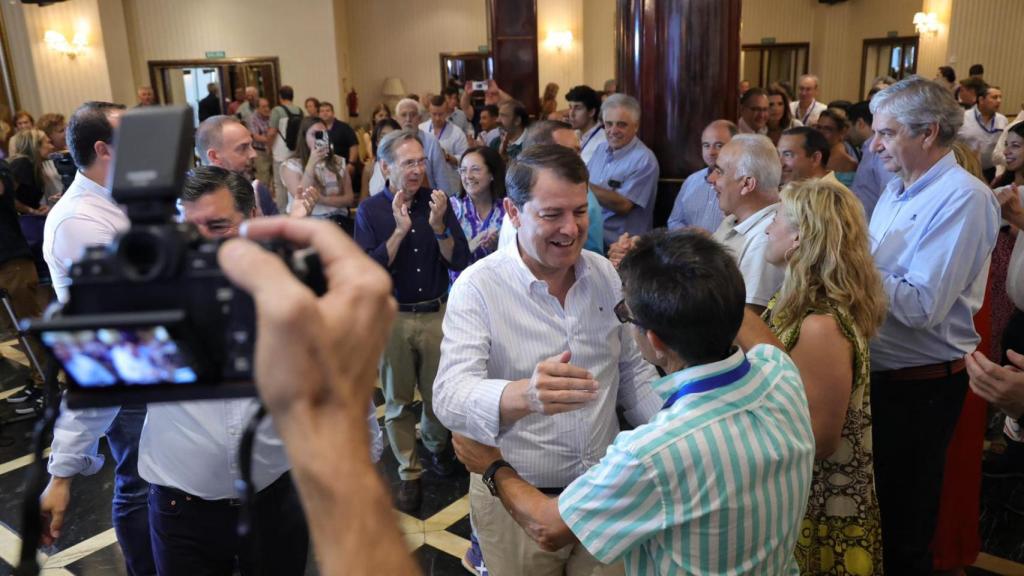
(768, 40)
(216, 54)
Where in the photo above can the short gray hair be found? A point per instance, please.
(406, 101)
(210, 135)
(917, 103)
(619, 100)
(817, 82)
(390, 142)
(758, 158)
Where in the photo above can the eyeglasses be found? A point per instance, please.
(409, 164)
(622, 313)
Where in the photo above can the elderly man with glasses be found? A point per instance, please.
(409, 230)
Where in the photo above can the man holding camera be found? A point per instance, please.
(86, 215)
(188, 450)
(409, 230)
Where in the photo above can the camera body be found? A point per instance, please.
(151, 317)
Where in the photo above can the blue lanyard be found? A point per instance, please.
(809, 110)
(443, 128)
(993, 129)
(706, 384)
(591, 137)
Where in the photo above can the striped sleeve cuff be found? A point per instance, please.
(484, 421)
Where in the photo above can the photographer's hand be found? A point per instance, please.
(316, 360)
(53, 503)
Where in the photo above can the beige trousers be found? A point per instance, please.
(410, 363)
(509, 551)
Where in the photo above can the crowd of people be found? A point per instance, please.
(790, 356)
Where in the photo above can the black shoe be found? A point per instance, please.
(1006, 465)
(410, 496)
(445, 464)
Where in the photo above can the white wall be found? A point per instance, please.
(598, 42)
(836, 34)
(989, 33)
(561, 66)
(49, 81)
(300, 32)
(404, 38)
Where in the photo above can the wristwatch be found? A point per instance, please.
(488, 477)
(444, 236)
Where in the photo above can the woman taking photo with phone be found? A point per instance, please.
(314, 165)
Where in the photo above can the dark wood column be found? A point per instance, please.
(680, 59)
(513, 35)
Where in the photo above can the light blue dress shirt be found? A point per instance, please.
(871, 178)
(932, 243)
(696, 204)
(635, 169)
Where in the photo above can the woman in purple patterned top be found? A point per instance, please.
(478, 206)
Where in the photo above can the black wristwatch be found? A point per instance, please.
(488, 477)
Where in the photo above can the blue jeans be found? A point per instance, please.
(130, 510)
(197, 537)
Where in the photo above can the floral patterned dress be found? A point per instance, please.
(474, 228)
(841, 532)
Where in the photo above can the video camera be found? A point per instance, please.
(151, 318)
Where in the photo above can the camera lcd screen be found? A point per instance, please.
(137, 356)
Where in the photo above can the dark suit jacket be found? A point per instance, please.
(209, 106)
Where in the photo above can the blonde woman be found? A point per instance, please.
(35, 189)
(830, 304)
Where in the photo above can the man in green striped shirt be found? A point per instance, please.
(718, 481)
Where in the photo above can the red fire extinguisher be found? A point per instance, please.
(353, 103)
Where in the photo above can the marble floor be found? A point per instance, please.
(438, 535)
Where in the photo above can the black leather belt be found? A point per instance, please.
(424, 307)
(552, 491)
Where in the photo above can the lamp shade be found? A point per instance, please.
(393, 87)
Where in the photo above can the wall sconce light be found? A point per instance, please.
(926, 23)
(59, 43)
(559, 40)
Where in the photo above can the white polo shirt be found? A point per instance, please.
(982, 136)
(748, 241)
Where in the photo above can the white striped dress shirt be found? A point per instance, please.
(500, 322)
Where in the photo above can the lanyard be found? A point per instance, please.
(597, 129)
(706, 384)
(443, 128)
(809, 110)
(993, 129)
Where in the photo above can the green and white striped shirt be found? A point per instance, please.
(716, 483)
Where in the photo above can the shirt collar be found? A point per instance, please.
(668, 385)
(391, 197)
(624, 150)
(526, 276)
(84, 182)
(753, 219)
(589, 133)
(944, 164)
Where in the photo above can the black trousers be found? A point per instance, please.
(196, 537)
(912, 423)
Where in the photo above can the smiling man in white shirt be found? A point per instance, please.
(534, 360)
